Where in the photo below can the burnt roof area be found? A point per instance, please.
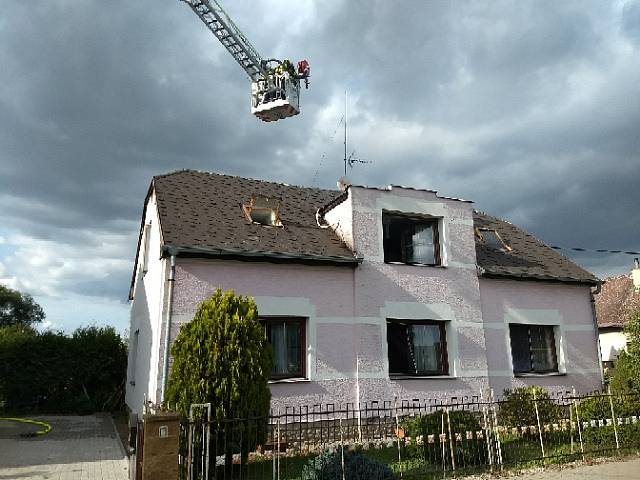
(201, 214)
(526, 256)
(617, 301)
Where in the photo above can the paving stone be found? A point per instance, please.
(78, 448)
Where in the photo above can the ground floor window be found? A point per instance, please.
(533, 348)
(288, 341)
(417, 347)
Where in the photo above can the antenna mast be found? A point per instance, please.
(345, 133)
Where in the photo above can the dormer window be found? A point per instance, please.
(263, 211)
(410, 239)
(492, 239)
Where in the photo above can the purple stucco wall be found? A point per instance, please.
(346, 309)
(566, 307)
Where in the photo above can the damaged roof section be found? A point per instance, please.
(206, 213)
(527, 257)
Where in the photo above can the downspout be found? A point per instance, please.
(167, 330)
(593, 292)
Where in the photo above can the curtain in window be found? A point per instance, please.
(520, 351)
(279, 348)
(543, 347)
(293, 347)
(426, 348)
(422, 245)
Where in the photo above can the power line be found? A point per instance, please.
(598, 250)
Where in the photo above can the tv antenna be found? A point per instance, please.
(351, 159)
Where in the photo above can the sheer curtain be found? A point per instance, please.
(278, 347)
(422, 245)
(543, 349)
(426, 348)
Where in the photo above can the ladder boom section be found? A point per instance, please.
(221, 25)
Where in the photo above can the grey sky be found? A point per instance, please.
(531, 109)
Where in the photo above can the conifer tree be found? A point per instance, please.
(223, 357)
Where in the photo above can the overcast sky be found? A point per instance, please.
(531, 109)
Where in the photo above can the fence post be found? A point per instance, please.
(575, 406)
(535, 405)
(496, 428)
(613, 418)
(486, 432)
(395, 412)
(278, 449)
(341, 448)
(571, 425)
(453, 457)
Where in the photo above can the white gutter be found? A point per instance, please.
(167, 330)
(593, 292)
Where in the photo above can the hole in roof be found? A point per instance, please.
(263, 211)
(492, 239)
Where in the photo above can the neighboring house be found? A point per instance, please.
(366, 294)
(617, 302)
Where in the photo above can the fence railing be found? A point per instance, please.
(409, 439)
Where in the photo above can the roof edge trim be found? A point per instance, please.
(224, 252)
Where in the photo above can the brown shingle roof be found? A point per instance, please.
(528, 258)
(617, 301)
(202, 211)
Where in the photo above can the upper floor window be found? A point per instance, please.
(288, 344)
(417, 347)
(410, 239)
(533, 348)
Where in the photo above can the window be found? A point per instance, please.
(410, 239)
(492, 239)
(263, 210)
(288, 343)
(146, 234)
(417, 347)
(533, 348)
(133, 363)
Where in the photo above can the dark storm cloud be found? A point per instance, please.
(532, 109)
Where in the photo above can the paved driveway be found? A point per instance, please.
(625, 469)
(78, 448)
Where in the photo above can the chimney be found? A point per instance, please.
(635, 275)
(344, 183)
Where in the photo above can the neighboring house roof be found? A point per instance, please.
(202, 213)
(528, 257)
(617, 301)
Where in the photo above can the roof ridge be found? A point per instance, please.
(216, 174)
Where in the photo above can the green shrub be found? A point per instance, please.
(598, 407)
(52, 372)
(222, 357)
(518, 407)
(465, 452)
(328, 466)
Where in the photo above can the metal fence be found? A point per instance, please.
(410, 439)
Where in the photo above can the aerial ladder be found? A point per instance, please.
(275, 84)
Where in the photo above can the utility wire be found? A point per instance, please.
(599, 250)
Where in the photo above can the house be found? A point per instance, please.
(366, 294)
(618, 301)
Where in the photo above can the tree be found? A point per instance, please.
(53, 372)
(626, 376)
(223, 357)
(18, 308)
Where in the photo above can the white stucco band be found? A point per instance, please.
(417, 311)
